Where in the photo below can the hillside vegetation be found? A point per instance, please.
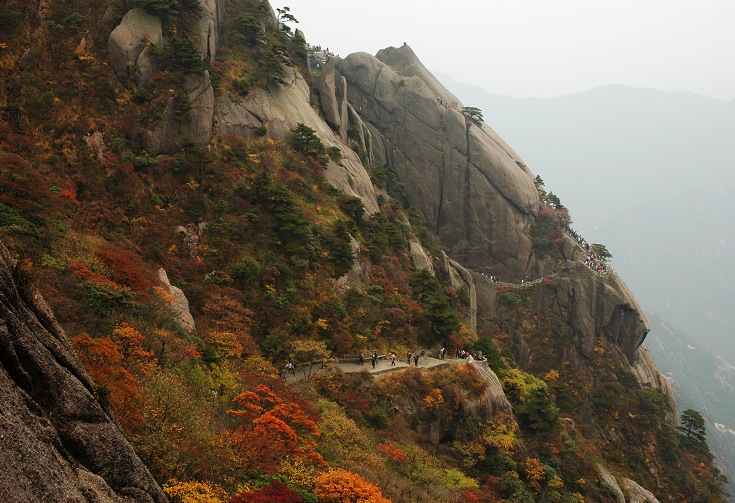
(279, 266)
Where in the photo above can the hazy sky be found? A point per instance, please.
(542, 48)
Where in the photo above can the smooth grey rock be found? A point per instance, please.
(197, 125)
(611, 482)
(645, 369)
(486, 294)
(209, 27)
(130, 38)
(281, 108)
(180, 306)
(461, 280)
(328, 94)
(471, 188)
(636, 494)
(598, 306)
(421, 260)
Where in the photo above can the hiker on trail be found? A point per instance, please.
(374, 359)
(408, 358)
(362, 359)
(441, 353)
(290, 367)
(392, 359)
(415, 360)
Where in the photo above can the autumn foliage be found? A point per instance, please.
(340, 486)
(271, 430)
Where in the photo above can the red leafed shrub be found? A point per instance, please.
(502, 288)
(276, 492)
(391, 451)
(124, 270)
(83, 272)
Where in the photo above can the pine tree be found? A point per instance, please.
(693, 430)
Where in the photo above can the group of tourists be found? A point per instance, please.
(591, 260)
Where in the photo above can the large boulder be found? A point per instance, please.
(128, 42)
(61, 443)
(179, 304)
(471, 188)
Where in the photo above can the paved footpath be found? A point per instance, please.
(383, 366)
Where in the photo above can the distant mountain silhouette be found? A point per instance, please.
(651, 175)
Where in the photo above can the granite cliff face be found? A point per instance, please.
(471, 188)
(60, 442)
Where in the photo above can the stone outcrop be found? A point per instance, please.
(180, 305)
(634, 493)
(598, 307)
(471, 188)
(421, 260)
(128, 43)
(208, 27)
(645, 369)
(491, 403)
(280, 109)
(60, 443)
(195, 124)
(461, 281)
(333, 98)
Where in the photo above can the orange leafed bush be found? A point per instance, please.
(340, 486)
(271, 431)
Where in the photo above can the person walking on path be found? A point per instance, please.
(415, 360)
(392, 359)
(362, 358)
(374, 359)
(441, 353)
(408, 358)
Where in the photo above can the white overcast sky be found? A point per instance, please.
(542, 48)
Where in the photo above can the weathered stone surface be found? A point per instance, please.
(59, 442)
(461, 281)
(281, 108)
(645, 369)
(180, 305)
(636, 494)
(611, 482)
(599, 306)
(328, 94)
(128, 41)
(209, 27)
(486, 295)
(421, 260)
(197, 124)
(472, 189)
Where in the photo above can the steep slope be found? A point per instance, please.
(649, 148)
(701, 381)
(61, 442)
(277, 196)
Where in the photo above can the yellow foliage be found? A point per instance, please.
(299, 474)
(552, 375)
(194, 491)
(226, 344)
(434, 399)
(534, 471)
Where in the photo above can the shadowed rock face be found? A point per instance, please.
(59, 442)
(470, 186)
